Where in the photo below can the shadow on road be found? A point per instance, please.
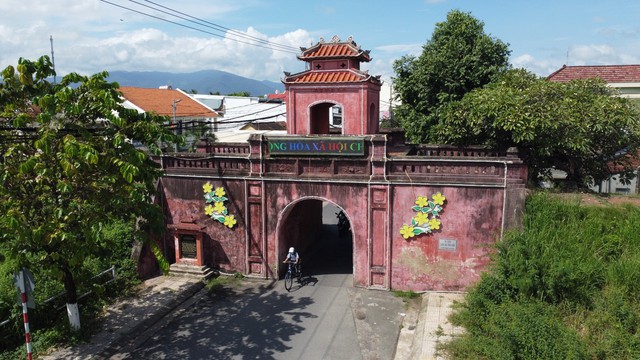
(232, 323)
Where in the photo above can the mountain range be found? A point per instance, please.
(202, 82)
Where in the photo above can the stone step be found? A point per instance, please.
(194, 271)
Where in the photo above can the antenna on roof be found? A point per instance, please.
(567, 62)
(53, 61)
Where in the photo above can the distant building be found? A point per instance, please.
(624, 78)
(238, 111)
(187, 116)
(176, 104)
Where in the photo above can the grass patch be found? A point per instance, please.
(564, 287)
(406, 295)
(222, 281)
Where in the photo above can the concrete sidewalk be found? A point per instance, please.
(127, 320)
(158, 297)
(423, 330)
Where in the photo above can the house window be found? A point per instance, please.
(188, 246)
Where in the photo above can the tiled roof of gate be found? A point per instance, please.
(334, 49)
(608, 73)
(160, 101)
(330, 76)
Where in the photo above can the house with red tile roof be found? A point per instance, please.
(176, 104)
(187, 116)
(625, 78)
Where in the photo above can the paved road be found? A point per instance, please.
(323, 318)
(313, 321)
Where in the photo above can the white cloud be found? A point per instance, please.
(592, 55)
(539, 67)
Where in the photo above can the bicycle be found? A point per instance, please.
(292, 271)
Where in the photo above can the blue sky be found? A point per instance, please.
(93, 35)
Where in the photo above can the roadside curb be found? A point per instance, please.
(409, 333)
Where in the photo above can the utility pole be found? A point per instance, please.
(391, 104)
(53, 61)
(174, 107)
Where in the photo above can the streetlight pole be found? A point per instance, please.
(174, 106)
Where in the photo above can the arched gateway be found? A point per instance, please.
(420, 215)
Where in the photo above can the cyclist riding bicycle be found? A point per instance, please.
(294, 258)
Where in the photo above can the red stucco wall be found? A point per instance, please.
(359, 117)
(224, 248)
(471, 216)
(277, 203)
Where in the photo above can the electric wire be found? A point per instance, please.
(195, 28)
(220, 27)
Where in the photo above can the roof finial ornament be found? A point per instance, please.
(350, 38)
(321, 40)
(335, 39)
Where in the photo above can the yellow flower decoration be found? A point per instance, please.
(434, 224)
(422, 201)
(438, 199)
(220, 192)
(208, 210)
(219, 207)
(207, 188)
(407, 231)
(229, 221)
(425, 220)
(421, 218)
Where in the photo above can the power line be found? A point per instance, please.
(216, 26)
(198, 29)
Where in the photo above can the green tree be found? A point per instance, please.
(240, 93)
(68, 165)
(458, 58)
(579, 127)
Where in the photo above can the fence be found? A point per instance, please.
(111, 272)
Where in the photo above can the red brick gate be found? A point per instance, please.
(277, 200)
(421, 216)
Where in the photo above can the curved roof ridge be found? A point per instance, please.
(334, 49)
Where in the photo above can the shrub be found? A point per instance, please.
(565, 286)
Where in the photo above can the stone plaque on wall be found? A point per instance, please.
(188, 246)
(447, 245)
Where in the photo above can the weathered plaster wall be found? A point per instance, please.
(277, 203)
(224, 247)
(471, 216)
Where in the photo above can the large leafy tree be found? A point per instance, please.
(458, 58)
(68, 165)
(580, 127)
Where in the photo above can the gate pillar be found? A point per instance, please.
(379, 254)
(256, 240)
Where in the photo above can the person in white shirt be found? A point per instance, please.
(294, 258)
